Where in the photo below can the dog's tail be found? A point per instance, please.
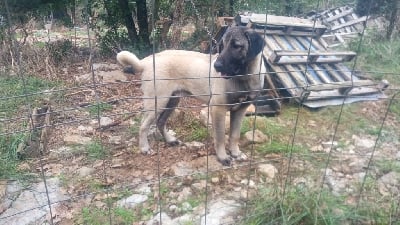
(129, 59)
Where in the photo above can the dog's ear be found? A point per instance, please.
(256, 43)
(220, 46)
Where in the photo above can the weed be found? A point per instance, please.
(96, 216)
(96, 150)
(14, 93)
(192, 129)
(9, 158)
(278, 147)
(302, 205)
(99, 108)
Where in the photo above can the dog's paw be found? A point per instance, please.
(148, 152)
(174, 143)
(240, 157)
(226, 161)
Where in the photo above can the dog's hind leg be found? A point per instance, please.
(148, 118)
(162, 120)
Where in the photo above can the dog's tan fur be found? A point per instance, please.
(179, 73)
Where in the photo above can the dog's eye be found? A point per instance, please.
(236, 45)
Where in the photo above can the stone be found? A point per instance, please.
(116, 140)
(85, 171)
(30, 206)
(182, 168)
(132, 201)
(184, 194)
(364, 143)
(258, 137)
(105, 121)
(215, 180)
(268, 170)
(221, 212)
(250, 183)
(186, 207)
(73, 139)
(166, 220)
(329, 144)
(194, 145)
(112, 76)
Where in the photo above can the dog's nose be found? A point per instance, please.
(218, 65)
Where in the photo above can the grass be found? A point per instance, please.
(99, 108)
(379, 57)
(96, 150)
(301, 206)
(14, 99)
(97, 216)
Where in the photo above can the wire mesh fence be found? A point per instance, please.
(70, 124)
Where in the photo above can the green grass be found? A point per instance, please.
(14, 98)
(99, 108)
(301, 206)
(191, 129)
(279, 148)
(14, 95)
(97, 216)
(96, 150)
(379, 57)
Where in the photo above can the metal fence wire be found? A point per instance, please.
(328, 153)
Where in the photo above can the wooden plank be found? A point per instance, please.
(337, 85)
(296, 75)
(304, 72)
(349, 23)
(283, 21)
(333, 73)
(310, 33)
(339, 15)
(285, 79)
(321, 74)
(310, 57)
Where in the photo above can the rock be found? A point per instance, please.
(173, 208)
(85, 78)
(30, 206)
(182, 168)
(72, 139)
(215, 180)
(199, 186)
(116, 140)
(143, 189)
(112, 76)
(388, 184)
(186, 207)
(85, 129)
(268, 170)
(62, 152)
(248, 182)
(329, 144)
(105, 121)
(398, 156)
(85, 171)
(132, 201)
(105, 67)
(317, 148)
(363, 142)
(184, 194)
(194, 145)
(259, 137)
(221, 212)
(166, 220)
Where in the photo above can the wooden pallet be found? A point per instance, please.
(281, 25)
(310, 57)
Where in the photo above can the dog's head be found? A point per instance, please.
(238, 47)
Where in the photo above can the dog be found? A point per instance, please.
(226, 82)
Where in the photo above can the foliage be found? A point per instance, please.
(303, 205)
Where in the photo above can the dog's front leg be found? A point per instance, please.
(218, 123)
(236, 119)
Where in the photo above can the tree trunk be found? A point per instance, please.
(128, 20)
(393, 18)
(144, 35)
(177, 27)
